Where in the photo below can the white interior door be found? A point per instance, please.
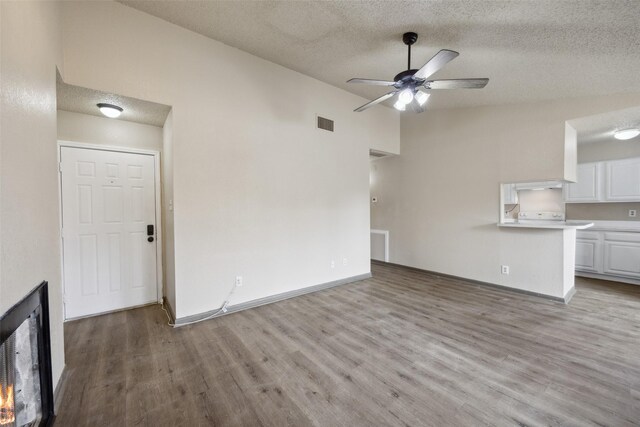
(108, 202)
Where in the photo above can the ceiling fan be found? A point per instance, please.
(410, 84)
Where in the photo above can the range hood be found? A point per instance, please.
(541, 185)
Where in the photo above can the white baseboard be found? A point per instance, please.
(620, 279)
(270, 299)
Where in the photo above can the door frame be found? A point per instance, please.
(158, 204)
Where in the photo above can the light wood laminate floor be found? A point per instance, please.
(403, 348)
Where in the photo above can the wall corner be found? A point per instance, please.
(570, 153)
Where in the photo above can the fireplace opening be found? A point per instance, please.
(26, 393)
(7, 412)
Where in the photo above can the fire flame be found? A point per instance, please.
(7, 414)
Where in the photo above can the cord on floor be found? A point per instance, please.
(222, 309)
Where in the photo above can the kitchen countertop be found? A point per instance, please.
(621, 226)
(557, 225)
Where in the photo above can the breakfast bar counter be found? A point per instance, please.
(561, 225)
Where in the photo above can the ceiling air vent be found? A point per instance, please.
(325, 124)
(377, 154)
(373, 154)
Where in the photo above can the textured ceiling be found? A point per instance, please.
(531, 50)
(601, 127)
(82, 100)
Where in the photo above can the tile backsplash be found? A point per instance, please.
(602, 211)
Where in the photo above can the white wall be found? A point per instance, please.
(612, 149)
(570, 153)
(548, 200)
(257, 190)
(104, 131)
(29, 212)
(440, 197)
(168, 254)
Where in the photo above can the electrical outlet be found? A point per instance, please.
(505, 269)
(238, 281)
(632, 213)
(345, 261)
(333, 264)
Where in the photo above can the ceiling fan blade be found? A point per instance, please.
(375, 101)
(372, 82)
(456, 84)
(438, 61)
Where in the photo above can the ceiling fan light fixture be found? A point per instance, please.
(399, 105)
(626, 134)
(406, 96)
(110, 110)
(422, 97)
(407, 83)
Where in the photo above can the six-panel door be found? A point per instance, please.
(108, 200)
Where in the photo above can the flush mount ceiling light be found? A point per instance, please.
(110, 110)
(626, 134)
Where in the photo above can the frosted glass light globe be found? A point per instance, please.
(110, 110)
(406, 96)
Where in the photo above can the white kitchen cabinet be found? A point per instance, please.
(589, 251)
(622, 254)
(609, 253)
(623, 180)
(587, 188)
